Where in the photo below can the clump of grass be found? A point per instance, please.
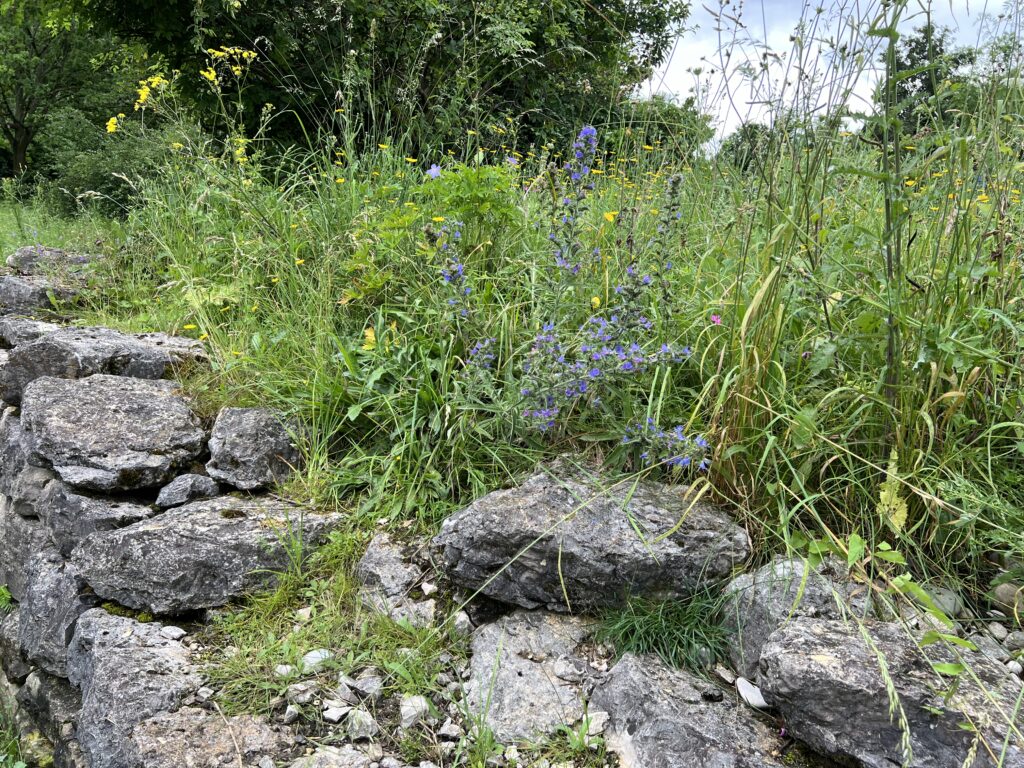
(10, 750)
(683, 633)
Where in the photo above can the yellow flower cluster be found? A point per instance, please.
(146, 88)
(234, 59)
(113, 124)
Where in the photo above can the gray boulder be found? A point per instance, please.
(75, 353)
(109, 433)
(186, 488)
(26, 488)
(759, 602)
(127, 672)
(251, 448)
(825, 681)
(70, 515)
(52, 703)
(41, 259)
(661, 718)
(32, 293)
(523, 545)
(527, 676)
(15, 331)
(195, 737)
(12, 663)
(20, 538)
(200, 555)
(54, 599)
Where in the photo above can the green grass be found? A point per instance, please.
(683, 633)
(10, 752)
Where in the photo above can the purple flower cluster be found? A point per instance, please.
(672, 448)
(570, 204)
(481, 354)
(453, 270)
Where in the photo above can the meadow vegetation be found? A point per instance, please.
(819, 324)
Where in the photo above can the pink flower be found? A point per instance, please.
(716, 319)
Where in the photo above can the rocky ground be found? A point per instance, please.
(126, 522)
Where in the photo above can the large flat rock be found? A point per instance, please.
(574, 540)
(527, 675)
(660, 717)
(75, 353)
(25, 294)
(200, 555)
(127, 672)
(109, 433)
(826, 680)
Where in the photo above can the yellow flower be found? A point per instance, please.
(983, 198)
(411, 160)
(190, 327)
(909, 183)
(204, 336)
(112, 125)
(340, 180)
(610, 215)
(299, 262)
(438, 219)
(177, 145)
(648, 148)
(371, 339)
(383, 146)
(471, 132)
(595, 302)
(209, 74)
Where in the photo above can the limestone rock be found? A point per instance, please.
(660, 718)
(334, 757)
(109, 433)
(250, 448)
(52, 705)
(196, 738)
(12, 450)
(25, 294)
(200, 555)
(522, 545)
(413, 709)
(186, 488)
(386, 579)
(759, 602)
(75, 353)
(40, 259)
(824, 680)
(127, 672)
(26, 487)
(71, 515)
(515, 682)
(12, 663)
(20, 538)
(53, 601)
(15, 331)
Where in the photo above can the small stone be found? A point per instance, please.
(301, 693)
(205, 694)
(450, 731)
(314, 661)
(172, 632)
(303, 615)
(335, 714)
(597, 721)
(344, 691)
(1015, 667)
(462, 625)
(284, 670)
(428, 588)
(369, 685)
(390, 762)
(265, 762)
(291, 714)
(1015, 641)
(373, 751)
(998, 631)
(360, 725)
(413, 709)
(334, 757)
(750, 693)
(186, 488)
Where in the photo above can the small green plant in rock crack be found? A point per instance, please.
(6, 600)
(683, 633)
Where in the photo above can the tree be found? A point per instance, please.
(926, 63)
(429, 68)
(46, 67)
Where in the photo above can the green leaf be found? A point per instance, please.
(949, 669)
(890, 557)
(855, 550)
(933, 636)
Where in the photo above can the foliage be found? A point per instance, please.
(432, 69)
(49, 69)
(748, 147)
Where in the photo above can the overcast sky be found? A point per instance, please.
(771, 23)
